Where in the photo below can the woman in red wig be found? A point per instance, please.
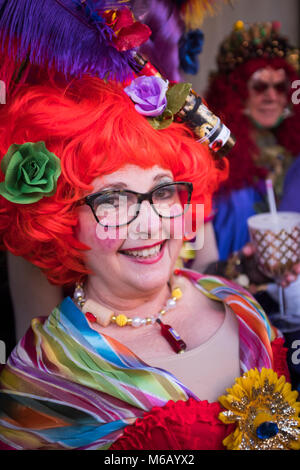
(252, 92)
(99, 200)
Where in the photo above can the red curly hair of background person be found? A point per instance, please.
(94, 129)
(226, 96)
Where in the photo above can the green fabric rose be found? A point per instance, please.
(31, 172)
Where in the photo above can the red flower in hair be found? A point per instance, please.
(128, 32)
(190, 425)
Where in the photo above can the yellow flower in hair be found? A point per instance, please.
(266, 412)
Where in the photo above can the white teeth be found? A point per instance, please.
(145, 253)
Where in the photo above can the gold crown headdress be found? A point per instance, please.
(259, 40)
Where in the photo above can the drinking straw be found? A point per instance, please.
(271, 197)
(273, 211)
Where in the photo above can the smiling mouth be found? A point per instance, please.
(268, 109)
(144, 253)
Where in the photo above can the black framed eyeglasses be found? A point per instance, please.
(114, 208)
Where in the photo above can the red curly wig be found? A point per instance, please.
(94, 129)
(226, 96)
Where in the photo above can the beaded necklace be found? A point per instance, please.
(96, 313)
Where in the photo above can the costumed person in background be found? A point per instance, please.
(252, 92)
(70, 51)
(97, 198)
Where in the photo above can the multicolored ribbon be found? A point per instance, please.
(65, 386)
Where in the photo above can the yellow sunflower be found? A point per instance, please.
(266, 412)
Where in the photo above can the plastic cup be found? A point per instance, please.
(277, 241)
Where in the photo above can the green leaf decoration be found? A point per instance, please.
(177, 95)
(155, 123)
(160, 123)
(165, 123)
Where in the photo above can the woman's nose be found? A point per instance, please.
(271, 93)
(147, 224)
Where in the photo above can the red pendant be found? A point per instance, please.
(172, 337)
(90, 317)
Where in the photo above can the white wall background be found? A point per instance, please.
(216, 28)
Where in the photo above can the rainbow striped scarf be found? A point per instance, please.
(65, 386)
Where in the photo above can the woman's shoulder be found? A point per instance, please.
(239, 299)
(212, 286)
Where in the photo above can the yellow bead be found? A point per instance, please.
(177, 293)
(121, 320)
(239, 25)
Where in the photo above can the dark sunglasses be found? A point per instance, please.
(261, 87)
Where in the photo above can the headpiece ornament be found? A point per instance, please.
(100, 38)
(260, 40)
(31, 172)
(72, 37)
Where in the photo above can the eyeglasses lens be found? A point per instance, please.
(171, 201)
(116, 208)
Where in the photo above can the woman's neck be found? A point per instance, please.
(141, 304)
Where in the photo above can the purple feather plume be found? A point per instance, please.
(163, 18)
(68, 35)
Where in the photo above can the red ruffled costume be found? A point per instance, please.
(187, 425)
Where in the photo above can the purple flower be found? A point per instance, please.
(148, 94)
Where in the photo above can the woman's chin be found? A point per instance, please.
(267, 119)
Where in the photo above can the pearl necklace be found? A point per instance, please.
(96, 313)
